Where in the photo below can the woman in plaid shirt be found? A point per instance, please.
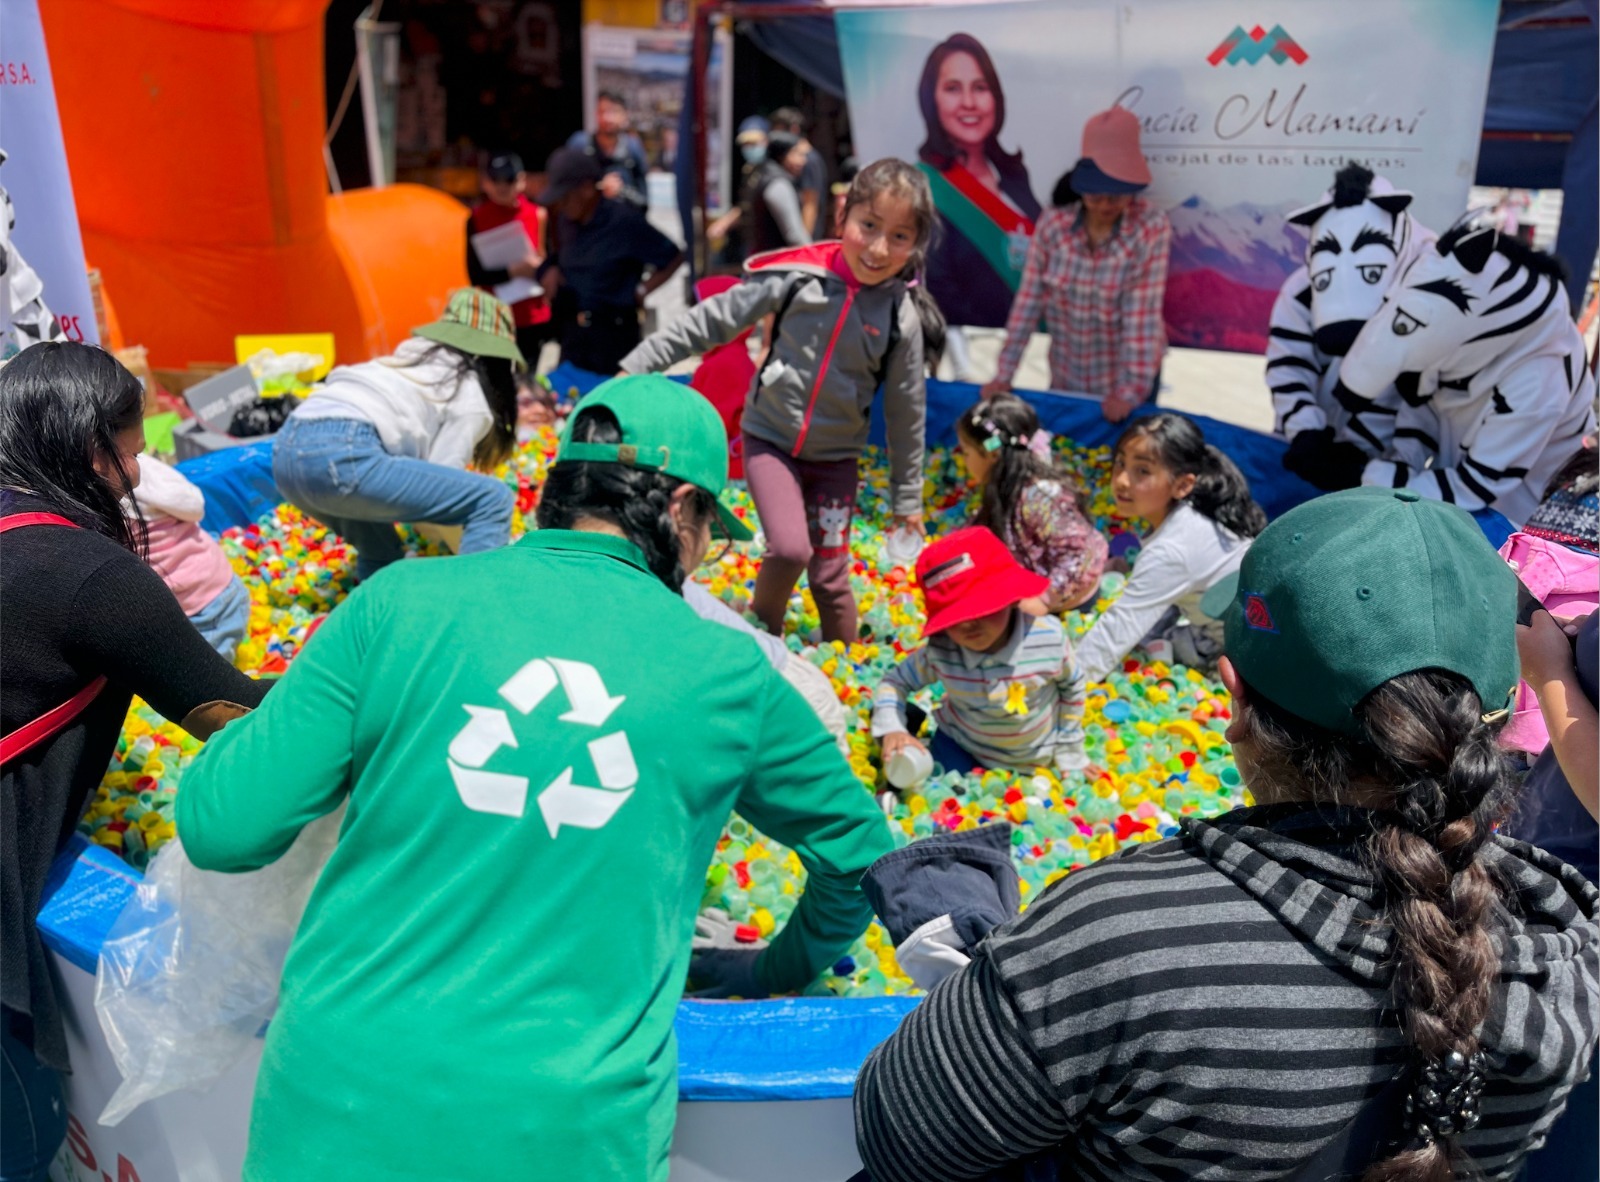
(1097, 274)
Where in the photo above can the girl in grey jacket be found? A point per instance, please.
(849, 317)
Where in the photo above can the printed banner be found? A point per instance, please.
(44, 257)
(1247, 110)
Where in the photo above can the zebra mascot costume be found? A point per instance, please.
(1360, 236)
(1506, 395)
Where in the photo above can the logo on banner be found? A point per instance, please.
(1249, 48)
(564, 801)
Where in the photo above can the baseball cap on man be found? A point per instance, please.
(970, 574)
(1353, 589)
(753, 129)
(503, 166)
(667, 427)
(566, 169)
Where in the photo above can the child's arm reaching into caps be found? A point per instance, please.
(889, 701)
(1072, 689)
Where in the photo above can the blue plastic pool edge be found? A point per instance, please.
(797, 1048)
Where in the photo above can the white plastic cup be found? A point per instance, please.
(908, 767)
(903, 546)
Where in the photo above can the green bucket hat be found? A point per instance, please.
(475, 322)
(1352, 589)
(667, 427)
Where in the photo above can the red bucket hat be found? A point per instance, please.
(971, 574)
(1111, 161)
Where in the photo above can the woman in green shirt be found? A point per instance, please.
(489, 966)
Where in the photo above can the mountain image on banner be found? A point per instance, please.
(1227, 266)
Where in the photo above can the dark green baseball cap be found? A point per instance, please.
(1352, 589)
(667, 427)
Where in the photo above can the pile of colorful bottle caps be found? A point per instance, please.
(1154, 732)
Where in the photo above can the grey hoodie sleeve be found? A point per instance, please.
(708, 324)
(905, 413)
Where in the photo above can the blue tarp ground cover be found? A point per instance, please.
(238, 483)
(797, 1048)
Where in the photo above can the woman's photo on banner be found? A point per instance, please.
(985, 198)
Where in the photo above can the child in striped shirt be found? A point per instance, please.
(1013, 695)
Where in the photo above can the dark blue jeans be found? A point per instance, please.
(337, 471)
(33, 1110)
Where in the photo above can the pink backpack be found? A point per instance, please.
(1567, 583)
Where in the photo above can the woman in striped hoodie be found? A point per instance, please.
(1354, 978)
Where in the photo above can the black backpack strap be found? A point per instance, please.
(1376, 1129)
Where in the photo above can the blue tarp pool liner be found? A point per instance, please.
(239, 487)
(238, 483)
(785, 1049)
(798, 1048)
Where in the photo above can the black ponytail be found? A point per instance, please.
(1220, 490)
(933, 323)
(498, 381)
(637, 501)
(1223, 494)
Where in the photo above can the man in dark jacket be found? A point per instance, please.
(596, 273)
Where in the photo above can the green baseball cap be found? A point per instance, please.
(666, 426)
(1347, 591)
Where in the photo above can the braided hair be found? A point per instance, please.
(1443, 785)
(638, 501)
(1008, 428)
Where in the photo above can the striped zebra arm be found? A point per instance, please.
(1294, 368)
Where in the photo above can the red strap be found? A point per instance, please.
(46, 726)
(19, 520)
(988, 201)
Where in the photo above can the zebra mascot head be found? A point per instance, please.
(1477, 296)
(1360, 237)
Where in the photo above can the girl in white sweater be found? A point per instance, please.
(1202, 517)
(389, 440)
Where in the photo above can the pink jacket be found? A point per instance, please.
(188, 559)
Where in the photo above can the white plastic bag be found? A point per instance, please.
(189, 973)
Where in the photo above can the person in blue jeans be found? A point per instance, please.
(390, 440)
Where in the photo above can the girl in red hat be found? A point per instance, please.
(1013, 695)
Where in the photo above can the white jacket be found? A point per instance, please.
(419, 410)
(1178, 563)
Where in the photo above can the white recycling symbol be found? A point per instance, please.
(564, 801)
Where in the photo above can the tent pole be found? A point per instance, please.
(699, 69)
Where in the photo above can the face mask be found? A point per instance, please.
(753, 153)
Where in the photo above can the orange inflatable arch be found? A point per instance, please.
(194, 134)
